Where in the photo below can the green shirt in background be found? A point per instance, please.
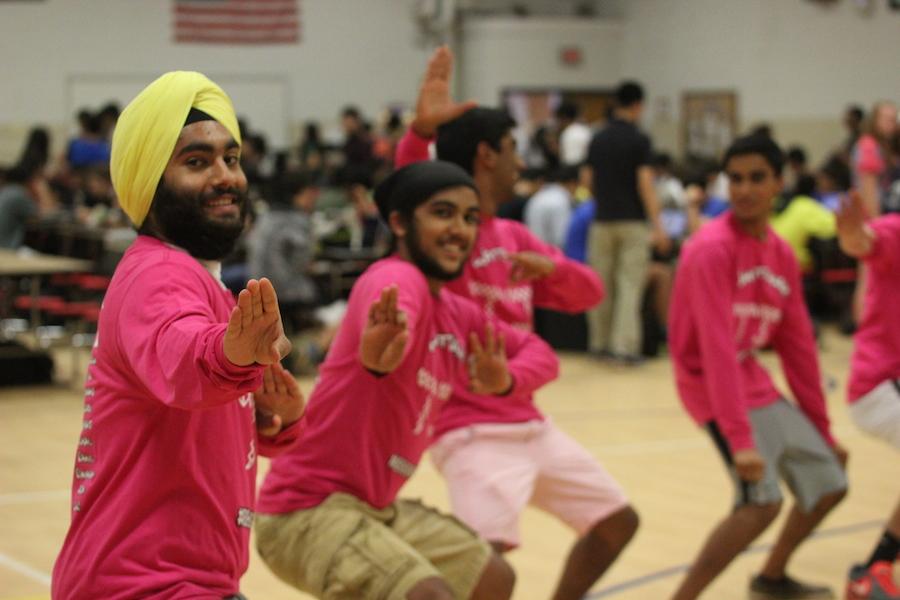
(802, 219)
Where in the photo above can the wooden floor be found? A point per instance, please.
(629, 418)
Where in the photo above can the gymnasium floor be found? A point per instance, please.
(629, 418)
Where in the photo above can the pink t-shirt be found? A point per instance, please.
(364, 435)
(734, 295)
(876, 352)
(573, 287)
(165, 469)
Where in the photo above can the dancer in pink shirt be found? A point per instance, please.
(497, 457)
(874, 390)
(738, 290)
(178, 402)
(330, 523)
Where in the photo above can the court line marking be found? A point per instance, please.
(28, 497)
(655, 576)
(23, 569)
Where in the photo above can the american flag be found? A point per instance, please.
(236, 21)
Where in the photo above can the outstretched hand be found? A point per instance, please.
(385, 335)
(279, 402)
(488, 371)
(254, 333)
(854, 235)
(528, 266)
(434, 107)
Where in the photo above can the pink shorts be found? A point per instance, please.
(494, 470)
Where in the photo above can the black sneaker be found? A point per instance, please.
(786, 588)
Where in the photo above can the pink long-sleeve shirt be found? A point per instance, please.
(363, 434)
(734, 295)
(572, 287)
(165, 469)
(876, 351)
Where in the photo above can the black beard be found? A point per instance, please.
(181, 220)
(430, 267)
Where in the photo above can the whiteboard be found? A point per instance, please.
(263, 101)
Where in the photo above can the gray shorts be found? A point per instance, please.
(793, 450)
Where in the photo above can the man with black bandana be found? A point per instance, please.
(184, 388)
(330, 522)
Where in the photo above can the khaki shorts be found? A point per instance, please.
(346, 549)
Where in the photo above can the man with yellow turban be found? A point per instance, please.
(163, 493)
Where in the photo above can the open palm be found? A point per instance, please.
(279, 401)
(488, 370)
(434, 106)
(385, 335)
(254, 333)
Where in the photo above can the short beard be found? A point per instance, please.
(179, 218)
(430, 267)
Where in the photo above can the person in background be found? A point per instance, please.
(627, 224)
(548, 211)
(796, 167)
(738, 290)
(832, 182)
(574, 136)
(282, 246)
(802, 219)
(873, 390)
(873, 156)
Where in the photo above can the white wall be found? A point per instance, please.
(58, 53)
(505, 52)
(795, 63)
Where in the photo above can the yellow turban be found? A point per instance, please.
(148, 129)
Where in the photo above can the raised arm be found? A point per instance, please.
(855, 236)
(434, 107)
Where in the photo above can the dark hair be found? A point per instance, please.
(565, 174)
(311, 132)
(287, 186)
(796, 154)
(457, 141)
(567, 110)
(350, 175)
(37, 147)
(22, 172)
(662, 160)
(856, 111)
(352, 112)
(756, 144)
(837, 170)
(763, 129)
(111, 110)
(629, 93)
(533, 174)
(806, 186)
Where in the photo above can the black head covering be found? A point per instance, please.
(410, 186)
(196, 115)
